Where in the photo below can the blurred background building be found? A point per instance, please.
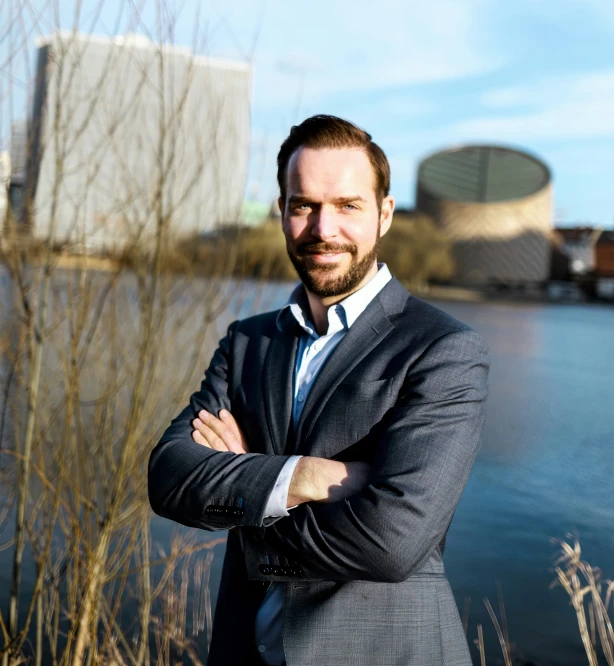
(5, 176)
(495, 205)
(577, 244)
(604, 254)
(18, 163)
(584, 256)
(126, 134)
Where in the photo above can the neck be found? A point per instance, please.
(319, 305)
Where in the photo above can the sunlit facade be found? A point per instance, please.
(129, 137)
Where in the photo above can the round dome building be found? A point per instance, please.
(495, 204)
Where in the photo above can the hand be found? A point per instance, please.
(323, 480)
(221, 434)
(352, 483)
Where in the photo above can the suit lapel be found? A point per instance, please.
(364, 335)
(277, 379)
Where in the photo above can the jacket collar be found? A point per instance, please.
(368, 330)
(348, 310)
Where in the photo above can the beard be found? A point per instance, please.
(319, 279)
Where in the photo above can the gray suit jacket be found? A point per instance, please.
(404, 390)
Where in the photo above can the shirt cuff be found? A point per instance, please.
(276, 506)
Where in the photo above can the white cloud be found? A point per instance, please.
(560, 107)
(553, 89)
(569, 120)
(347, 47)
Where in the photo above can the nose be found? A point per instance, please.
(324, 225)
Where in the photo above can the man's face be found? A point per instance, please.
(331, 218)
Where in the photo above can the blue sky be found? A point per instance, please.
(421, 75)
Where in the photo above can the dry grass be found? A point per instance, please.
(590, 596)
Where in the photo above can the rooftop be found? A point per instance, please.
(137, 41)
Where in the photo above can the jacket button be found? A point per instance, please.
(266, 569)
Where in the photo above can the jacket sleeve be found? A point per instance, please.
(198, 486)
(424, 456)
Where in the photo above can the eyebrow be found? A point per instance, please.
(299, 199)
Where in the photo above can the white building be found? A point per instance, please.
(125, 134)
(5, 176)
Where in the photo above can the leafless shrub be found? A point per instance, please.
(95, 363)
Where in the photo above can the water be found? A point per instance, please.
(545, 469)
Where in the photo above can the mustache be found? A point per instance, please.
(323, 248)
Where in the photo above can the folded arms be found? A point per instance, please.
(383, 532)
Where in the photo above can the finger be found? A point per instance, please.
(200, 425)
(223, 431)
(210, 437)
(229, 420)
(199, 439)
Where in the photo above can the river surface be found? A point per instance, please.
(546, 469)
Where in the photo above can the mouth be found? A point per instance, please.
(325, 257)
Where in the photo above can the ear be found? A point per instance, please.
(386, 214)
(280, 203)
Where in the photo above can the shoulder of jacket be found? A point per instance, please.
(420, 314)
(264, 323)
(429, 323)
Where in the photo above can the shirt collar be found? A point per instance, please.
(341, 315)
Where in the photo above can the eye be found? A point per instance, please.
(350, 206)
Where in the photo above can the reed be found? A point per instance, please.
(591, 597)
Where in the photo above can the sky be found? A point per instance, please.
(422, 75)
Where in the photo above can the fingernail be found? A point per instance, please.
(203, 414)
(223, 413)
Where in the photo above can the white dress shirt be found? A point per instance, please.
(311, 354)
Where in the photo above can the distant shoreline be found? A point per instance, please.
(432, 292)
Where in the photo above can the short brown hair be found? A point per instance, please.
(331, 132)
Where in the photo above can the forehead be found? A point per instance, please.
(334, 172)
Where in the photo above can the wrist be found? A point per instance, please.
(314, 479)
(299, 490)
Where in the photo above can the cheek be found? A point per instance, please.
(359, 235)
(294, 228)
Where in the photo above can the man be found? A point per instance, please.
(334, 558)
